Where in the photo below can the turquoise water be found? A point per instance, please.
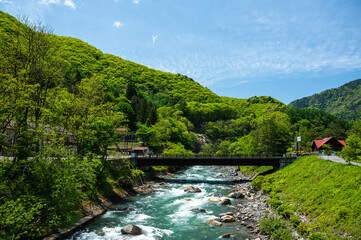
(165, 214)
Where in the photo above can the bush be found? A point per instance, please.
(316, 236)
(274, 202)
(303, 228)
(47, 194)
(276, 227)
(257, 182)
(295, 220)
(285, 210)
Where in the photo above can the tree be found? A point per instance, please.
(28, 64)
(352, 151)
(327, 149)
(273, 136)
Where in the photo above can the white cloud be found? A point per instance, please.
(117, 24)
(136, 1)
(241, 82)
(154, 38)
(69, 3)
(47, 2)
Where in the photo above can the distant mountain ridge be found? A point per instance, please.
(344, 101)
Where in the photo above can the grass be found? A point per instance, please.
(328, 193)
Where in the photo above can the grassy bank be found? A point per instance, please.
(328, 193)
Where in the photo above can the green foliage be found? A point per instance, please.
(343, 101)
(295, 220)
(285, 210)
(325, 191)
(316, 236)
(272, 136)
(174, 149)
(45, 195)
(276, 227)
(274, 202)
(327, 149)
(352, 151)
(199, 113)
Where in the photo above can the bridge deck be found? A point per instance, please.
(188, 161)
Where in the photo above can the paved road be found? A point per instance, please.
(338, 160)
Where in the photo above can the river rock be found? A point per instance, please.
(131, 229)
(192, 189)
(228, 219)
(225, 202)
(226, 235)
(222, 214)
(100, 233)
(235, 195)
(124, 209)
(219, 195)
(198, 210)
(214, 199)
(214, 222)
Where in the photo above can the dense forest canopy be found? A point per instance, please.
(344, 101)
(65, 103)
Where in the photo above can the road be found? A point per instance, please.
(338, 160)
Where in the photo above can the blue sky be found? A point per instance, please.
(284, 49)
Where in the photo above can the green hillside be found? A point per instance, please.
(327, 193)
(344, 101)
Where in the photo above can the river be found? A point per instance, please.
(166, 213)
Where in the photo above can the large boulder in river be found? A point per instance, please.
(235, 195)
(131, 229)
(214, 222)
(214, 199)
(198, 210)
(192, 189)
(225, 202)
(228, 219)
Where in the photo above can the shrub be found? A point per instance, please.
(257, 182)
(276, 227)
(295, 220)
(285, 210)
(316, 236)
(274, 202)
(303, 228)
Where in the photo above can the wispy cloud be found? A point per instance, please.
(117, 24)
(242, 82)
(154, 38)
(136, 1)
(47, 2)
(70, 3)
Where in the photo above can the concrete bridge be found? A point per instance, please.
(276, 162)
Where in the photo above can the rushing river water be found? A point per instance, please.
(166, 213)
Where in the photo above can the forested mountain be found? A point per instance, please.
(64, 103)
(344, 101)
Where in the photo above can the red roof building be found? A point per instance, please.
(140, 150)
(335, 144)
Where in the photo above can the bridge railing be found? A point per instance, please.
(278, 156)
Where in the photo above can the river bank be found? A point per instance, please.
(251, 212)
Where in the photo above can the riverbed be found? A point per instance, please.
(167, 212)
